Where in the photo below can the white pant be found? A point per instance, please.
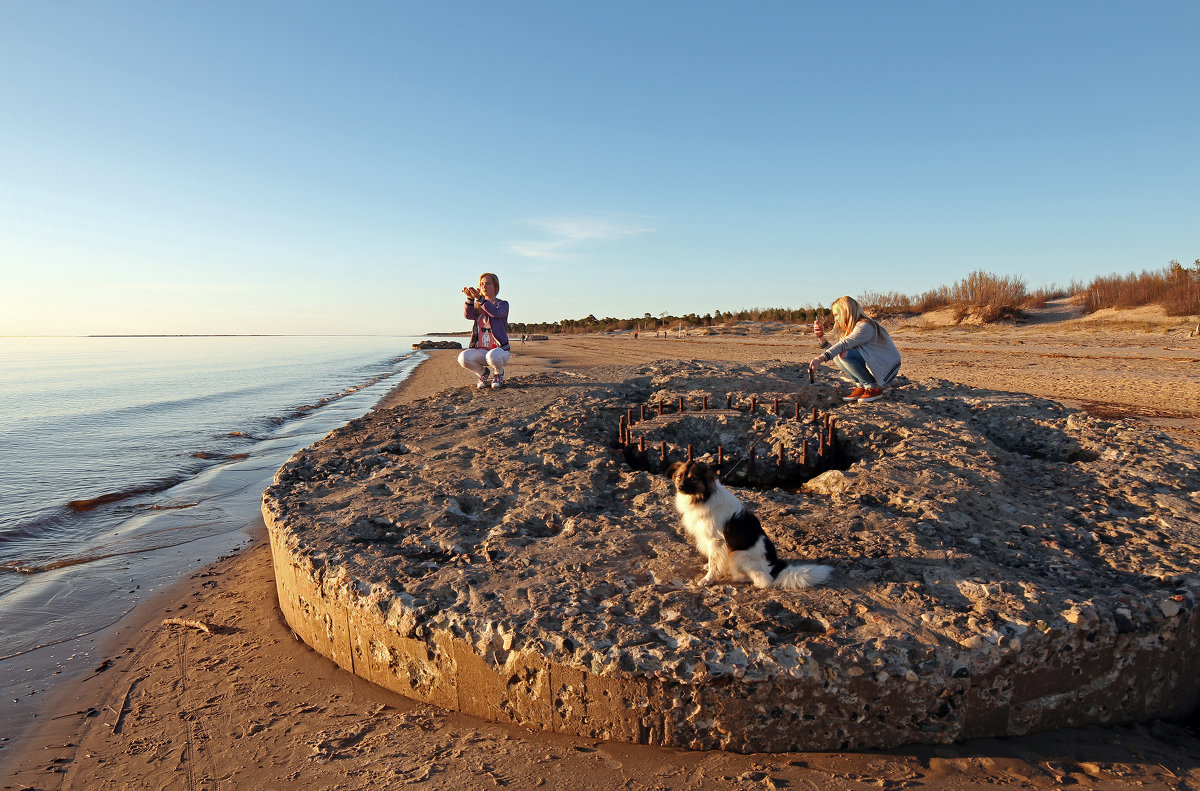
(479, 361)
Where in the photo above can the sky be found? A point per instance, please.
(348, 167)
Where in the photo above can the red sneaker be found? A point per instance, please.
(854, 394)
(871, 394)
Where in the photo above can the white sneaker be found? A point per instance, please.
(482, 383)
(497, 382)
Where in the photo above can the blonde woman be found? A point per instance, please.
(865, 352)
(488, 350)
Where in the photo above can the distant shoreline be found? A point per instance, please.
(236, 335)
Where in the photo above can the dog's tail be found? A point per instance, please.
(802, 575)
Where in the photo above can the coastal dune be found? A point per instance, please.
(244, 702)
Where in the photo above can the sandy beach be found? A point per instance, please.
(215, 691)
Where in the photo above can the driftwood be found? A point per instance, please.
(186, 622)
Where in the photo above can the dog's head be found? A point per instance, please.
(693, 478)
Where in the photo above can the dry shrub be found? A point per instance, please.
(1175, 287)
(1183, 299)
(989, 293)
(877, 303)
(982, 295)
(934, 299)
(1039, 297)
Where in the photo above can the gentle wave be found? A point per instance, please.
(161, 406)
(36, 528)
(93, 503)
(301, 411)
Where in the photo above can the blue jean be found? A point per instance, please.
(852, 364)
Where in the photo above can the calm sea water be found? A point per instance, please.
(127, 462)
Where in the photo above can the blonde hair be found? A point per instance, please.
(847, 313)
(495, 280)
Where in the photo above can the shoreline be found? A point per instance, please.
(258, 624)
(35, 679)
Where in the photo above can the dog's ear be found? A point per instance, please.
(674, 468)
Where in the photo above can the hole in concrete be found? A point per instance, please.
(754, 443)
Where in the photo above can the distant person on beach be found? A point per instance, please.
(488, 351)
(865, 352)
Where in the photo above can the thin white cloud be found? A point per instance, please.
(566, 238)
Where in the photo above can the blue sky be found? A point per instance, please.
(281, 167)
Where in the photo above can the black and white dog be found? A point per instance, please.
(731, 537)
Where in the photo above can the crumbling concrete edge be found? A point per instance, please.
(1086, 672)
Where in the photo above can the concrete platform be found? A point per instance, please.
(1004, 565)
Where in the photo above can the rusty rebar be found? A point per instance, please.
(624, 432)
(706, 402)
(664, 454)
(814, 419)
(753, 404)
(681, 405)
(643, 411)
